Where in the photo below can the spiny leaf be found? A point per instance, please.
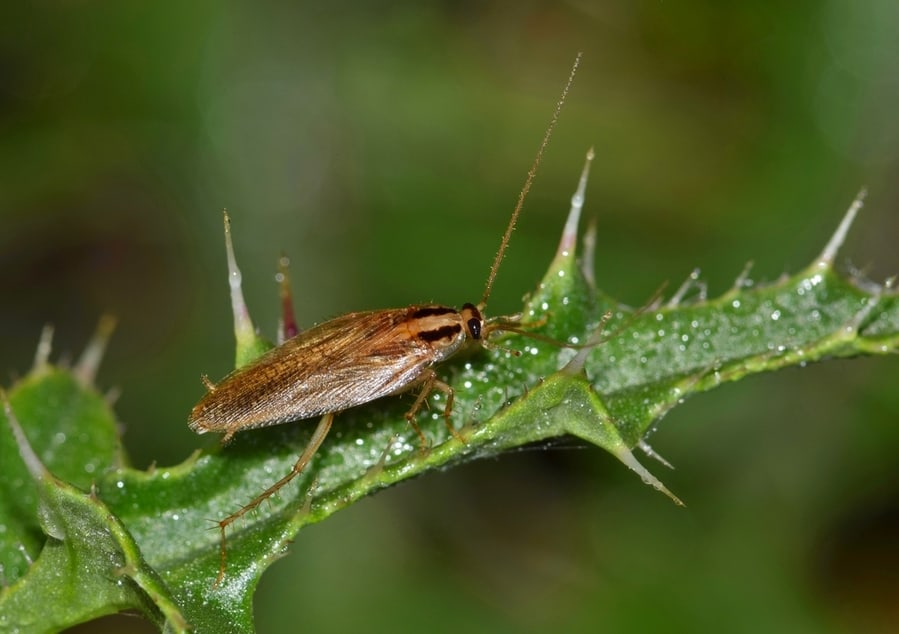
(88, 565)
(611, 394)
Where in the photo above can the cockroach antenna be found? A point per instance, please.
(528, 182)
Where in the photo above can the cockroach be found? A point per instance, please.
(354, 359)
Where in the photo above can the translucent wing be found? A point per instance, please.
(347, 361)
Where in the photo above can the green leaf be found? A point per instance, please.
(74, 429)
(66, 557)
(160, 548)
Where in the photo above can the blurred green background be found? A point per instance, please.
(382, 147)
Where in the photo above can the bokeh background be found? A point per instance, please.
(382, 146)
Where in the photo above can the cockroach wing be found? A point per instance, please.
(347, 361)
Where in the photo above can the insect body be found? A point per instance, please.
(341, 363)
(351, 360)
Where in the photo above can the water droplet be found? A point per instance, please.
(775, 315)
(735, 303)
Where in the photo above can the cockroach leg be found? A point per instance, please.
(318, 436)
(430, 382)
(419, 401)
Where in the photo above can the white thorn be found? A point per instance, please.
(649, 451)
(569, 234)
(44, 347)
(625, 456)
(29, 457)
(688, 284)
(829, 253)
(89, 362)
(243, 325)
(743, 280)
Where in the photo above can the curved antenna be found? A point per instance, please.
(527, 184)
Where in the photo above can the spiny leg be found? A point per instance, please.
(429, 384)
(314, 443)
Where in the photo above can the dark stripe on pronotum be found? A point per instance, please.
(444, 332)
(430, 311)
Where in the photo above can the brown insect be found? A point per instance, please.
(351, 360)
